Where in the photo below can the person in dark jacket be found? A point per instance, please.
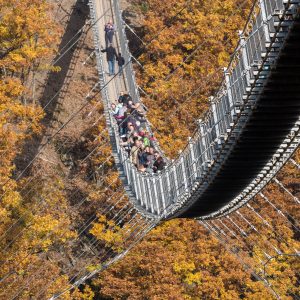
(121, 63)
(159, 163)
(111, 55)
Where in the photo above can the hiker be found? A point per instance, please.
(115, 109)
(111, 54)
(121, 63)
(109, 29)
(159, 163)
(134, 153)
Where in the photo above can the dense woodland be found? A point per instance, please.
(41, 207)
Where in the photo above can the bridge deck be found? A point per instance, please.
(118, 83)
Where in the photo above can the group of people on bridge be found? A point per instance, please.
(130, 117)
(135, 138)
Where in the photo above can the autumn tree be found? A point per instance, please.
(182, 65)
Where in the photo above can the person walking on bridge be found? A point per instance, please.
(121, 63)
(109, 32)
(111, 56)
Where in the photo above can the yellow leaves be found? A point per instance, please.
(10, 88)
(184, 267)
(11, 199)
(86, 294)
(223, 58)
(27, 34)
(107, 231)
(92, 268)
(47, 230)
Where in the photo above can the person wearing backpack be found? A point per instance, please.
(121, 63)
(111, 54)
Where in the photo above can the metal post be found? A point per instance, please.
(245, 58)
(192, 150)
(175, 180)
(265, 20)
(156, 195)
(229, 92)
(162, 193)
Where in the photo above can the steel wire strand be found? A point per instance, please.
(277, 236)
(266, 241)
(39, 172)
(255, 244)
(68, 139)
(47, 142)
(104, 211)
(37, 206)
(142, 233)
(61, 55)
(140, 229)
(53, 280)
(280, 211)
(240, 247)
(242, 241)
(56, 227)
(253, 227)
(295, 163)
(279, 183)
(235, 253)
(82, 31)
(261, 263)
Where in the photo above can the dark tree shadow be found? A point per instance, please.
(56, 84)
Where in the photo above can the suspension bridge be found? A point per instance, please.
(249, 133)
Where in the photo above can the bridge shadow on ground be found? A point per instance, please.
(56, 84)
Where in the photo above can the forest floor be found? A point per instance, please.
(62, 95)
